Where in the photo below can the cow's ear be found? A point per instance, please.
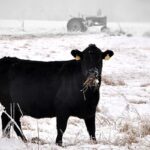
(76, 54)
(107, 54)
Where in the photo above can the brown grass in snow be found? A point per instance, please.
(109, 81)
(145, 85)
(137, 102)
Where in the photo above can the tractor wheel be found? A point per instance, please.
(76, 25)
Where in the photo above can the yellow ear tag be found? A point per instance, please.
(107, 57)
(77, 58)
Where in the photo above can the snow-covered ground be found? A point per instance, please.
(123, 121)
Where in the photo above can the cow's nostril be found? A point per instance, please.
(93, 72)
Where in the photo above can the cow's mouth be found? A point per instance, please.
(92, 81)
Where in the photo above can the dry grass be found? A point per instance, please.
(137, 102)
(133, 130)
(102, 120)
(145, 126)
(25, 124)
(145, 85)
(109, 81)
(129, 129)
(127, 133)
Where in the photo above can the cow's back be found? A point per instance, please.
(31, 84)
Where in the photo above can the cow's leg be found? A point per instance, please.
(90, 124)
(5, 121)
(61, 127)
(17, 120)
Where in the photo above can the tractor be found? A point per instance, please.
(81, 24)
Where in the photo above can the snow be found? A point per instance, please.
(123, 121)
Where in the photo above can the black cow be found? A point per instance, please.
(53, 89)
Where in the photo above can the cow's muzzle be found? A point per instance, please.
(92, 80)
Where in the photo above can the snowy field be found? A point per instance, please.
(36, 27)
(123, 119)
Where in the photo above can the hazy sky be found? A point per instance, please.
(116, 10)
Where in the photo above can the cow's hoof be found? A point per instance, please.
(59, 144)
(93, 141)
(24, 140)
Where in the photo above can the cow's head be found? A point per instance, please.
(91, 63)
